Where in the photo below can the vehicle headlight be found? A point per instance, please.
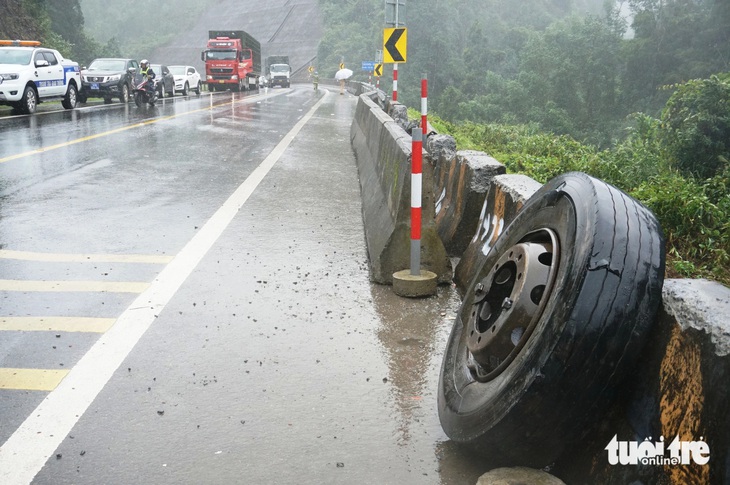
(115, 77)
(7, 76)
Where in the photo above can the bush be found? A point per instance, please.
(695, 216)
(694, 213)
(696, 127)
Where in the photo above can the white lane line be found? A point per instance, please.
(23, 455)
(66, 286)
(84, 258)
(56, 324)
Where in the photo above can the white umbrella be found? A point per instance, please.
(343, 74)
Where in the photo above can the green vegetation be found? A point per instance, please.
(58, 24)
(577, 68)
(650, 164)
(83, 30)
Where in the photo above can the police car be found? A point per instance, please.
(31, 74)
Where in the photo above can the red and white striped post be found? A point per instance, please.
(424, 104)
(416, 181)
(395, 82)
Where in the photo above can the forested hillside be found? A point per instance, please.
(634, 92)
(564, 65)
(142, 25)
(58, 24)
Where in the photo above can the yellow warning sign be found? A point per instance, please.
(394, 45)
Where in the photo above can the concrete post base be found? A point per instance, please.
(414, 286)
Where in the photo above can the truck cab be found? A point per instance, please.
(232, 61)
(279, 75)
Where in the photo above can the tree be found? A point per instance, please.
(695, 126)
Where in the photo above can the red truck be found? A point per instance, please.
(232, 60)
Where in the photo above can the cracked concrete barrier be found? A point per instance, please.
(462, 183)
(506, 194)
(383, 153)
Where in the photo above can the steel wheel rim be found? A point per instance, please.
(508, 303)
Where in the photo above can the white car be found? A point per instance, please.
(31, 74)
(187, 79)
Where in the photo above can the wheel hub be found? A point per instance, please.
(508, 302)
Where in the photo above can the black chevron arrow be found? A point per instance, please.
(390, 45)
(378, 69)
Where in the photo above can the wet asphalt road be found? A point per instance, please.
(191, 283)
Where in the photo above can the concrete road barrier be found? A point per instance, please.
(462, 185)
(383, 152)
(506, 194)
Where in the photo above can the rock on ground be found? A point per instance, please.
(518, 476)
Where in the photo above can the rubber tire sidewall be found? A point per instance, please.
(72, 97)
(124, 95)
(25, 105)
(573, 362)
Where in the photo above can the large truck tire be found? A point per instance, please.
(552, 322)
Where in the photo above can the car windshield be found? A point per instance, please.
(15, 56)
(279, 68)
(107, 65)
(222, 55)
(177, 70)
(157, 68)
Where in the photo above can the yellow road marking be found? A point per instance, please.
(56, 286)
(31, 379)
(82, 258)
(125, 128)
(56, 324)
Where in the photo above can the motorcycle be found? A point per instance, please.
(144, 90)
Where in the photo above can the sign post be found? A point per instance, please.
(424, 105)
(394, 39)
